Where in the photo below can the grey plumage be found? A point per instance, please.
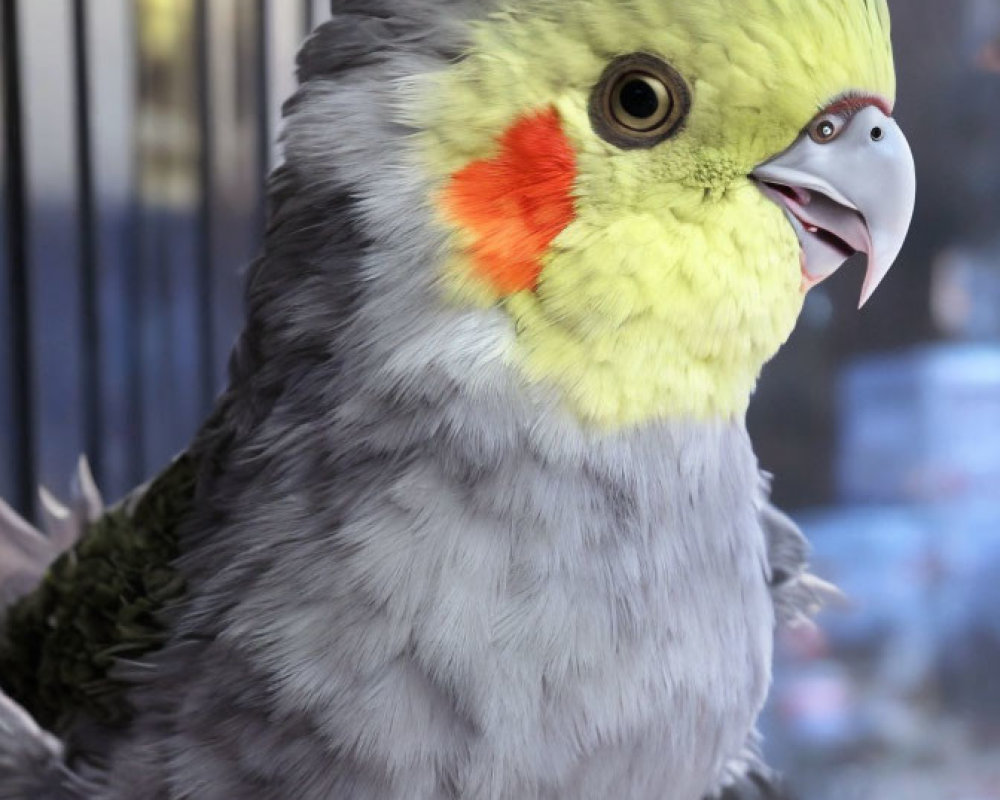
(410, 573)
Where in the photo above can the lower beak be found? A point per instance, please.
(854, 194)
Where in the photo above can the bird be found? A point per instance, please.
(477, 515)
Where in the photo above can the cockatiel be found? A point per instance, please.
(478, 516)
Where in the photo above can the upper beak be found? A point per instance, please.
(855, 193)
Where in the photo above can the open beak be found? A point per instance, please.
(848, 185)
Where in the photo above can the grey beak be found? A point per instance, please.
(853, 193)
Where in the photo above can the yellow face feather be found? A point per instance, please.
(676, 280)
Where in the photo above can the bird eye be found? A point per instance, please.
(640, 101)
(826, 128)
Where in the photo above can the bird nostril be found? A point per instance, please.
(877, 134)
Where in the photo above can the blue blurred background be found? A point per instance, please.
(136, 134)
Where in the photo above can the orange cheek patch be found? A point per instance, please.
(515, 204)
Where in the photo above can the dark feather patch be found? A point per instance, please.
(98, 603)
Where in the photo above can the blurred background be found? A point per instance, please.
(136, 134)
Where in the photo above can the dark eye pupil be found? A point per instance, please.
(826, 130)
(639, 100)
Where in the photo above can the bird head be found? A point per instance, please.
(648, 188)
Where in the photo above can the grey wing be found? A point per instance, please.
(798, 596)
(747, 777)
(757, 786)
(26, 553)
(31, 760)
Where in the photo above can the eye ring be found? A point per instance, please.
(639, 102)
(826, 128)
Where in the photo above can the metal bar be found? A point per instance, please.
(90, 373)
(285, 36)
(112, 104)
(263, 109)
(236, 167)
(206, 189)
(321, 10)
(134, 289)
(308, 16)
(7, 422)
(15, 191)
(46, 36)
